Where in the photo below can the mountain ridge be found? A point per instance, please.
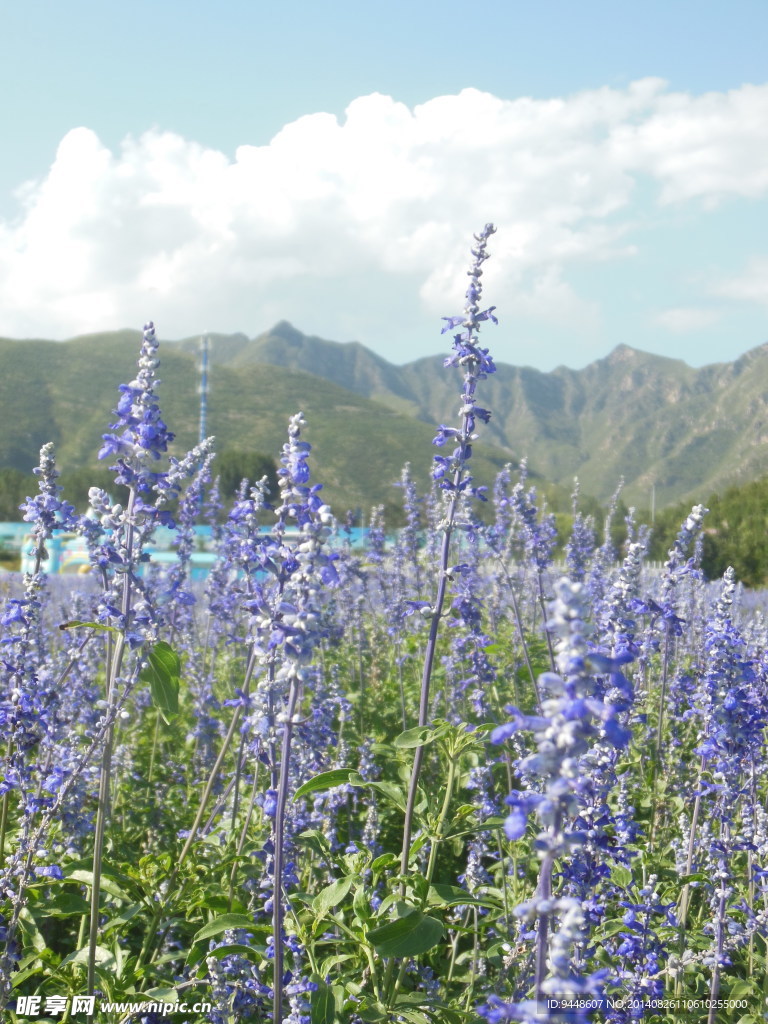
(664, 426)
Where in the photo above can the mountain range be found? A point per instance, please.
(667, 429)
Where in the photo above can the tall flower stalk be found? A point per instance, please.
(575, 719)
(291, 623)
(138, 441)
(452, 474)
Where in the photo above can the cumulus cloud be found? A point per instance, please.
(751, 285)
(684, 319)
(347, 227)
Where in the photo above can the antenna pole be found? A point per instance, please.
(204, 345)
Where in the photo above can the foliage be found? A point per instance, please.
(233, 466)
(431, 781)
(736, 532)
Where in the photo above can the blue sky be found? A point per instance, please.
(220, 168)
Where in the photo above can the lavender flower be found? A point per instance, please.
(452, 476)
(574, 718)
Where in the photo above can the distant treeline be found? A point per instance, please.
(735, 531)
(231, 467)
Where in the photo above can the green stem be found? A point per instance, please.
(114, 665)
(452, 766)
(243, 833)
(155, 738)
(102, 813)
(160, 909)
(455, 947)
(5, 807)
(279, 839)
(659, 736)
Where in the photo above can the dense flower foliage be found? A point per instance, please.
(436, 777)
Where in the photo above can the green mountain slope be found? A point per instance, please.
(65, 393)
(658, 423)
(654, 421)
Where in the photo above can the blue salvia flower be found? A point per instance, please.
(640, 951)
(598, 578)
(175, 596)
(31, 697)
(140, 436)
(732, 714)
(452, 476)
(539, 532)
(470, 669)
(574, 719)
(288, 623)
(679, 563)
(581, 543)
(476, 364)
(47, 511)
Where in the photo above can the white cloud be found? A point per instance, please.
(684, 319)
(344, 226)
(751, 285)
(707, 147)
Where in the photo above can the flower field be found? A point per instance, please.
(436, 779)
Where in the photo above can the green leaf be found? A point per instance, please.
(418, 736)
(334, 961)
(107, 882)
(225, 923)
(742, 989)
(66, 904)
(104, 957)
(323, 1004)
(163, 675)
(372, 1013)
(332, 895)
(620, 875)
(163, 994)
(79, 624)
(31, 931)
(29, 972)
(387, 789)
(325, 781)
(610, 928)
(444, 895)
(697, 876)
(413, 1016)
(384, 861)
(361, 904)
(123, 917)
(407, 936)
(316, 841)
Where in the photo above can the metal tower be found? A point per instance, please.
(203, 389)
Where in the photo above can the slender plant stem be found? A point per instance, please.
(431, 864)
(659, 736)
(543, 606)
(277, 895)
(144, 956)
(685, 895)
(521, 633)
(244, 832)
(542, 934)
(714, 988)
(429, 658)
(5, 805)
(155, 737)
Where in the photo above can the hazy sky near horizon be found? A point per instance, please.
(224, 167)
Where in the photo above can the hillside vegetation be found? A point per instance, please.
(655, 422)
